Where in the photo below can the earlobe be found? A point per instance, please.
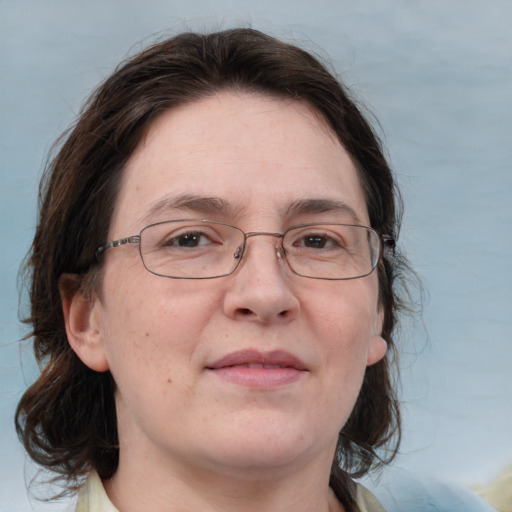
(82, 322)
(378, 345)
(377, 350)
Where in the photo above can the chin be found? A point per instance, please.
(269, 454)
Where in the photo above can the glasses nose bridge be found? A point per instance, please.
(263, 233)
(279, 248)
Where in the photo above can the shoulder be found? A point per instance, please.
(401, 491)
(92, 496)
(366, 501)
(499, 492)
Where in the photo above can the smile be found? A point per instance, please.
(265, 366)
(259, 370)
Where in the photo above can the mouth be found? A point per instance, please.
(261, 370)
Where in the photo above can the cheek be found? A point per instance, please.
(148, 348)
(346, 321)
(153, 323)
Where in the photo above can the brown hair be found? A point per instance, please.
(66, 419)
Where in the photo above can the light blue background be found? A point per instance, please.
(438, 76)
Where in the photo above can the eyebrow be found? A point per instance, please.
(316, 206)
(208, 205)
(201, 204)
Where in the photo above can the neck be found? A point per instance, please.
(181, 489)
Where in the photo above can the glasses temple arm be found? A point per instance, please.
(135, 239)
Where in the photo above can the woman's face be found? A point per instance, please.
(181, 351)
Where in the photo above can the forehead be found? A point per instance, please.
(255, 154)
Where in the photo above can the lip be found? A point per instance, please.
(261, 370)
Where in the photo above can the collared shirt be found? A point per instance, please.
(93, 498)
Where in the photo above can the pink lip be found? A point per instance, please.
(255, 369)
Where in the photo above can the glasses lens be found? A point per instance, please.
(332, 251)
(190, 249)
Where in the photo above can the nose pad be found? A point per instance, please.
(240, 251)
(260, 292)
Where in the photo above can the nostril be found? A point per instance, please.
(248, 312)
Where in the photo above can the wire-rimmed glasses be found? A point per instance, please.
(203, 249)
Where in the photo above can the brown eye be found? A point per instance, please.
(188, 239)
(318, 241)
(315, 241)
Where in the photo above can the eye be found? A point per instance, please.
(188, 239)
(318, 241)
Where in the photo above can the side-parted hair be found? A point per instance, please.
(66, 419)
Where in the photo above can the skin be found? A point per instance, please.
(190, 440)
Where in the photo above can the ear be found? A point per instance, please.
(82, 320)
(377, 350)
(378, 345)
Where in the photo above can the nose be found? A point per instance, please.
(260, 288)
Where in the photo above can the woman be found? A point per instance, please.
(213, 285)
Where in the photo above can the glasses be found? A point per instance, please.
(202, 249)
